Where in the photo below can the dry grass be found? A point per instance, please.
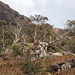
(56, 59)
(12, 67)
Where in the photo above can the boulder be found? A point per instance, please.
(43, 52)
(57, 54)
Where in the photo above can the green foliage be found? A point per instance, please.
(72, 45)
(8, 37)
(31, 67)
(17, 51)
(31, 40)
(71, 26)
(1, 46)
(68, 44)
(3, 22)
(5, 36)
(38, 19)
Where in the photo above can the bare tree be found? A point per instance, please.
(61, 36)
(16, 30)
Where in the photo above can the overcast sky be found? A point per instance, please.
(57, 11)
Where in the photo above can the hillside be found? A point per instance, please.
(8, 14)
(31, 46)
(59, 31)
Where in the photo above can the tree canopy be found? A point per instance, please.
(38, 19)
(3, 22)
(71, 26)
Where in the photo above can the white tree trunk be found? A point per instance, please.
(35, 33)
(3, 38)
(50, 40)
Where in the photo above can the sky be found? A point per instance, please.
(57, 11)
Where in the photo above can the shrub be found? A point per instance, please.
(31, 67)
(16, 51)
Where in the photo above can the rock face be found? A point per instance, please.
(8, 14)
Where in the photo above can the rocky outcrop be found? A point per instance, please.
(62, 66)
(38, 49)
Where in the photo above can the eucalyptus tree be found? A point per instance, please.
(71, 27)
(38, 20)
(16, 29)
(2, 26)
